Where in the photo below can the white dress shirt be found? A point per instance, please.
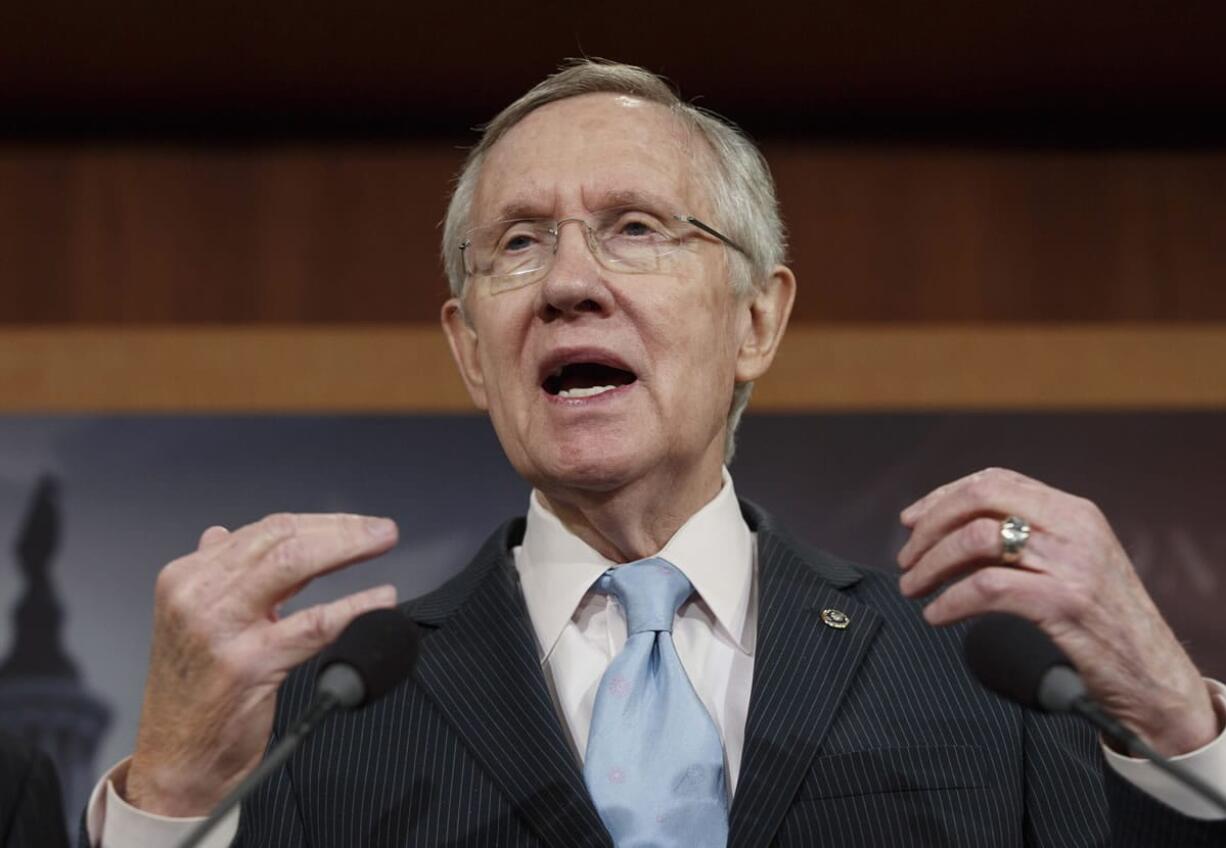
(578, 632)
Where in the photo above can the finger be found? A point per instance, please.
(249, 547)
(915, 511)
(1032, 595)
(192, 582)
(300, 636)
(970, 546)
(909, 515)
(255, 540)
(252, 541)
(214, 535)
(320, 544)
(249, 572)
(994, 492)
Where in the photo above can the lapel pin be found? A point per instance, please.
(836, 619)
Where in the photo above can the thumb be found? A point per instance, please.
(303, 634)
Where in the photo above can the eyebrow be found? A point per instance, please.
(518, 210)
(641, 199)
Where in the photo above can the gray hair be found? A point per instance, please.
(739, 184)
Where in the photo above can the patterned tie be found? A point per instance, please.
(655, 763)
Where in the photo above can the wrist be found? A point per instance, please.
(1184, 731)
(163, 791)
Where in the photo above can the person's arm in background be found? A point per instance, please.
(31, 806)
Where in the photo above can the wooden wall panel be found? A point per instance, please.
(1035, 236)
(154, 235)
(329, 234)
(407, 368)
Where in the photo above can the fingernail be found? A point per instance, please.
(380, 528)
(908, 514)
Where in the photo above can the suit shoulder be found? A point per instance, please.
(428, 610)
(494, 553)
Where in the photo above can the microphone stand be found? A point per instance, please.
(1117, 732)
(324, 704)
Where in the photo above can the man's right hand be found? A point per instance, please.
(220, 650)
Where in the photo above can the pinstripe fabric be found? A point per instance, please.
(31, 815)
(869, 736)
(469, 753)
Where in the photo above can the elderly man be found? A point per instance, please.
(644, 660)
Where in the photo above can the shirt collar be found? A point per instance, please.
(714, 549)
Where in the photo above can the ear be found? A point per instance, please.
(462, 337)
(765, 318)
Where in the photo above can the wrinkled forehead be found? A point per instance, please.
(591, 152)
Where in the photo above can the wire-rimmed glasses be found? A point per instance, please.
(518, 252)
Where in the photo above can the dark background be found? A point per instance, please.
(1011, 73)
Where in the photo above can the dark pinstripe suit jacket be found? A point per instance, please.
(873, 735)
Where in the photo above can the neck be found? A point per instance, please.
(634, 521)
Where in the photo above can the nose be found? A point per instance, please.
(576, 283)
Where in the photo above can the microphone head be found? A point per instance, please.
(379, 648)
(1011, 656)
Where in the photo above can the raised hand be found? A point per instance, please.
(1074, 580)
(220, 649)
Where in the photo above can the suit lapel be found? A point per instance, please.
(481, 668)
(802, 670)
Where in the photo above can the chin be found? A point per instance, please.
(593, 466)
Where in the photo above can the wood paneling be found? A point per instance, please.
(333, 234)
(385, 368)
(149, 235)
(945, 235)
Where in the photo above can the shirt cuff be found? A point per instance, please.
(1208, 763)
(114, 823)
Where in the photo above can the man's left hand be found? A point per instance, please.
(1074, 581)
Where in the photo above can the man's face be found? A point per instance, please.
(667, 342)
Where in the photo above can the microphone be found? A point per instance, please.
(371, 656)
(374, 653)
(1016, 660)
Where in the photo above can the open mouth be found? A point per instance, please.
(586, 379)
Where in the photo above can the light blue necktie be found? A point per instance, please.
(655, 763)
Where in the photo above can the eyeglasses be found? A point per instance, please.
(515, 253)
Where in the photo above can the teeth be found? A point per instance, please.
(588, 392)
